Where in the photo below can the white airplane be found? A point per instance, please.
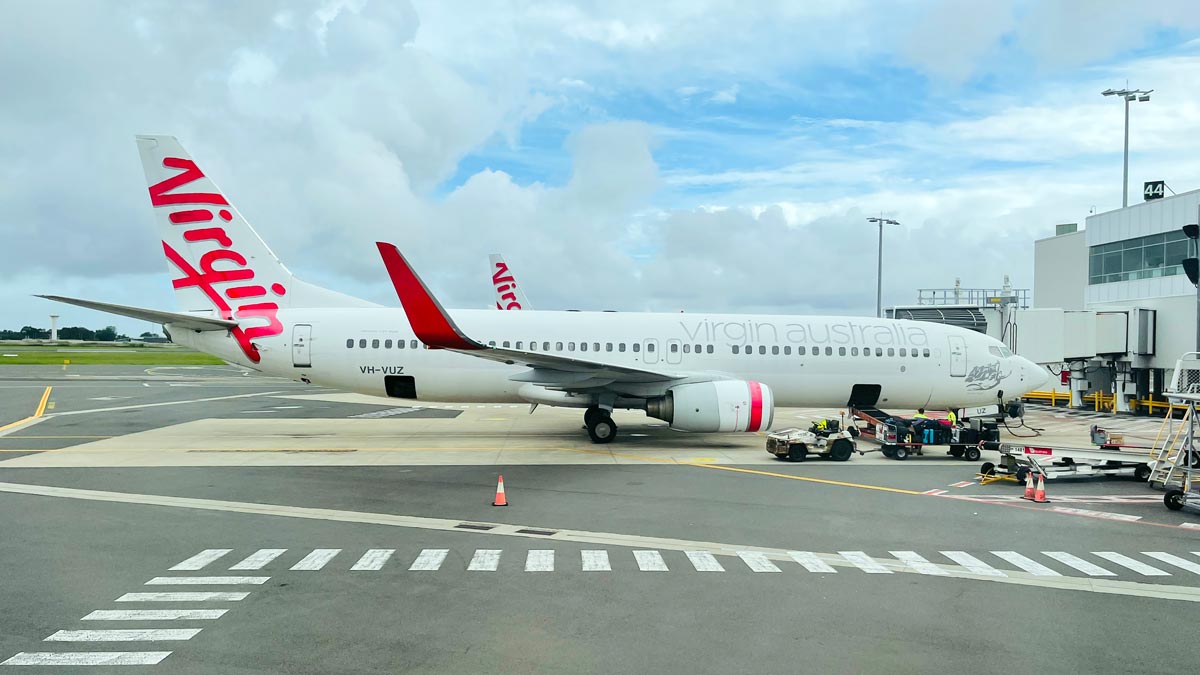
(698, 372)
(508, 294)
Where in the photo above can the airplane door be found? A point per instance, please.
(674, 353)
(650, 350)
(301, 337)
(958, 357)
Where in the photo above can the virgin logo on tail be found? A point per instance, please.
(234, 270)
(505, 286)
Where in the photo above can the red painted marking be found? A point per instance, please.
(756, 406)
(205, 233)
(196, 216)
(429, 321)
(246, 292)
(158, 191)
(278, 289)
(225, 215)
(1038, 451)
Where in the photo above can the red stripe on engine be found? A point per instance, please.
(756, 406)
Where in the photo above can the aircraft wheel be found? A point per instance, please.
(1173, 499)
(602, 430)
(592, 414)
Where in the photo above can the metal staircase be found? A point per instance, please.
(1177, 451)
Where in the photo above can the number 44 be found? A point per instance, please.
(1154, 190)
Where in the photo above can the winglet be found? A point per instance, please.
(429, 320)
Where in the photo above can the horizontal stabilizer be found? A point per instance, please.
(201, 323)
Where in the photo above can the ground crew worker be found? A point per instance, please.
(952, 418)
(920, 414)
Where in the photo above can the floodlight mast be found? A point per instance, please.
(1128, 95)
(879, 271)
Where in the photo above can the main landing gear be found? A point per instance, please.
(600, 427)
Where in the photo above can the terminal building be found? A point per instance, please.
(1112, 307)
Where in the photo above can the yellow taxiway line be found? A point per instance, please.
(41, 408)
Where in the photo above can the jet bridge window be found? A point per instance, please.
(362, 344)
(350, 343)
(387, 344)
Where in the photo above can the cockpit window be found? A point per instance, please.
(1001, 352)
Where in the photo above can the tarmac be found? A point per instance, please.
(200, 520)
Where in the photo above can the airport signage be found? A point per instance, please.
(1154, 189)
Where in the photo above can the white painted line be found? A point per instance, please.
(704, 561)
(1028, 564)
(757, 562)
(204, 596)
(1079, 564)
(484, 560)
(918, 563)
(126, 635)
(811, 561)
(206, 581)
(86, 659)
(650, 561)
(864, 562)
(155, 615)
(1161, 591)
(596, 561)
(429, 560)
(974, 565)
(373, 559)
(1190, 526)
(964, 483)
(201, 559)
(259, 559)
(1174, 560)
(155, 405)
(539, 560)
(1104, 515)
(1135, 565)
(316, 560)
(935, 492)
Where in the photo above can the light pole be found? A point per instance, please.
(879, 272)
(1129, 95)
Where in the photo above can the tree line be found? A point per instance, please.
(106, 334)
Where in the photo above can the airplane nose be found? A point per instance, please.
(1035, 375)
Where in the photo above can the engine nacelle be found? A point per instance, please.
(724, 405)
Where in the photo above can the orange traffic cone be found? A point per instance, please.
(501, 500)
(1039, 495)
(1028, 485)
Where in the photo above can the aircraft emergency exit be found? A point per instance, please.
(697, 372)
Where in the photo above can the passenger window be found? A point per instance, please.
(687, 349)
(518, 345)
(491, 343)
(775, 350)
(829, 351)
(650, 347)
(412, 344)
(545, 346)
(697, 349)
(506, 344)
(533, 345)
(879, 351)
(558, 346)
(374, 344)
(387, 344)
(350, 343)
(737, 349)
(925, 352)
(914, 353)
(787, 350)
(637, 347)
(399, 344)
(674, 348)
(854, 351)
(570, 346)
(621, 347)
(801, 350)
(903, 351)
(710, 349)
(762, 349)
(891, 351)
(362, 344)
(816, 351)
(841, 351)
(583, 346)
(595, 346)
(608, 346)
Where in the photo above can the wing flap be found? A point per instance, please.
(186, 321)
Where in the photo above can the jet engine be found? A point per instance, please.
(723, 405)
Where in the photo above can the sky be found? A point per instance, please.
(693, 155)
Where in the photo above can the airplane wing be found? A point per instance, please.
(186, 321)
(435, 328)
